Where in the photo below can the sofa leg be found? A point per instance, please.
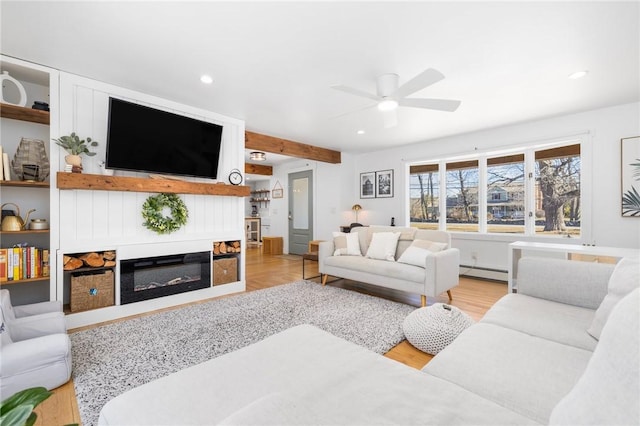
(423, 300)
(324, 279)
(450, 296)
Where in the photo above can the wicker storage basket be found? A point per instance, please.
(225, 270)
(92, 290)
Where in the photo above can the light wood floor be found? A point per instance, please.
(473, 296)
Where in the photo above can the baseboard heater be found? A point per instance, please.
(486, 273)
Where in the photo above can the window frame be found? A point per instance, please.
(529, 151)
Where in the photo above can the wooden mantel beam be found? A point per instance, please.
(265, 143)
(258, 169)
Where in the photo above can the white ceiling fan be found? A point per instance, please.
(389, 96)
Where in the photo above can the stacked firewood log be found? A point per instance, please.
(94, 260)
(224, 247)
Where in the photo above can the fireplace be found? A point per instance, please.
(151, 277)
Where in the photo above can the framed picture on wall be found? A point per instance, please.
(367, 185)
(630, 151)
(384, 184)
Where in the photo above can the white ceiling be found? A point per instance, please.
(273, 62)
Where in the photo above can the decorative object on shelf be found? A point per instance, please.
(384, 184)
(356, 208)
(366, 185)
(41, 106)
(630, 149)
(14, 223)
(38, 224)
(258, 156)
(105, 259)
(235, 177)
(277, 191)
(5, 165)
(31, 162)
(5, 77)
(154, 219)
(75, 147)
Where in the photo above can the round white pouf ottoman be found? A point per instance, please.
(432, 328)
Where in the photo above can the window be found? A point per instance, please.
(557, 187)
(505, 189)
(462, 196)
(530, 191)
(424, 195)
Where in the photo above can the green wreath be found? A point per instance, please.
(152, 213)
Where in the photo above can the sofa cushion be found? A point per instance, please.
(372, 266)
(335, 381)
(417, 253)
(383, 246)
(543, 318)
(523, 373)
(607, 392)
(625, 278)
(565, 281)
(346, 244)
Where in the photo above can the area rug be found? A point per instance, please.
(111, 359)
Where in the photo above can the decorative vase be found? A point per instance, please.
(75, 161)
(22, 94)
(30, 161)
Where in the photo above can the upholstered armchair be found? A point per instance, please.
(36, 350)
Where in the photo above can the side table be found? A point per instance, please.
(312, 256)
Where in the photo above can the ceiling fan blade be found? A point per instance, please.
(352, 111)
(356, 92)
(419, 82)
(437, 104)
(390, 118)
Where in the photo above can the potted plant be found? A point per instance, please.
(17, 410)
(75, 147)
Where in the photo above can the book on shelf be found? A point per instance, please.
(19, 263)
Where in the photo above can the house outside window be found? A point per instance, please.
(531, 191)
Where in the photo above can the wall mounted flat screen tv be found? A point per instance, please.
(144, 139)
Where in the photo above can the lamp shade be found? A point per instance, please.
(356, 207)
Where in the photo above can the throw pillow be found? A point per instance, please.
(624, 279)
(416, 254)
(607, 392)
(346, 244)
(383, 246)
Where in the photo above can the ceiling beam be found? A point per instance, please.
(258, 142)
(258, 169)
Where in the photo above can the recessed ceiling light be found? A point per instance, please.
(360, 132)
(578, 74)
(206, 79)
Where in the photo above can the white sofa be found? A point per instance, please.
(529, 361)
(439, 273)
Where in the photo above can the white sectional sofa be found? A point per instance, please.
(436, 273)
(531, 360)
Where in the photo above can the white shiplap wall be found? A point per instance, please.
(98, 220)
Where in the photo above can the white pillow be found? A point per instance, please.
(383, 246)
(416, 254)
(624, 279)
(346, 244)
(607, 392)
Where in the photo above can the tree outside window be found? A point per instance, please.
(424, 208)
(462, 196)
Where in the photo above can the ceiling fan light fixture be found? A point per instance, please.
(258, 156)
(387, 105)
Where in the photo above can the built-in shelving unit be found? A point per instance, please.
(26, 231)
(24, 114)
(134, 184)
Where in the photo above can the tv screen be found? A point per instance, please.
(144, 139)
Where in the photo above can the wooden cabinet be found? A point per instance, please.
(252, 229)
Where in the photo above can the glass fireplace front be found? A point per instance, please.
(151, 277)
